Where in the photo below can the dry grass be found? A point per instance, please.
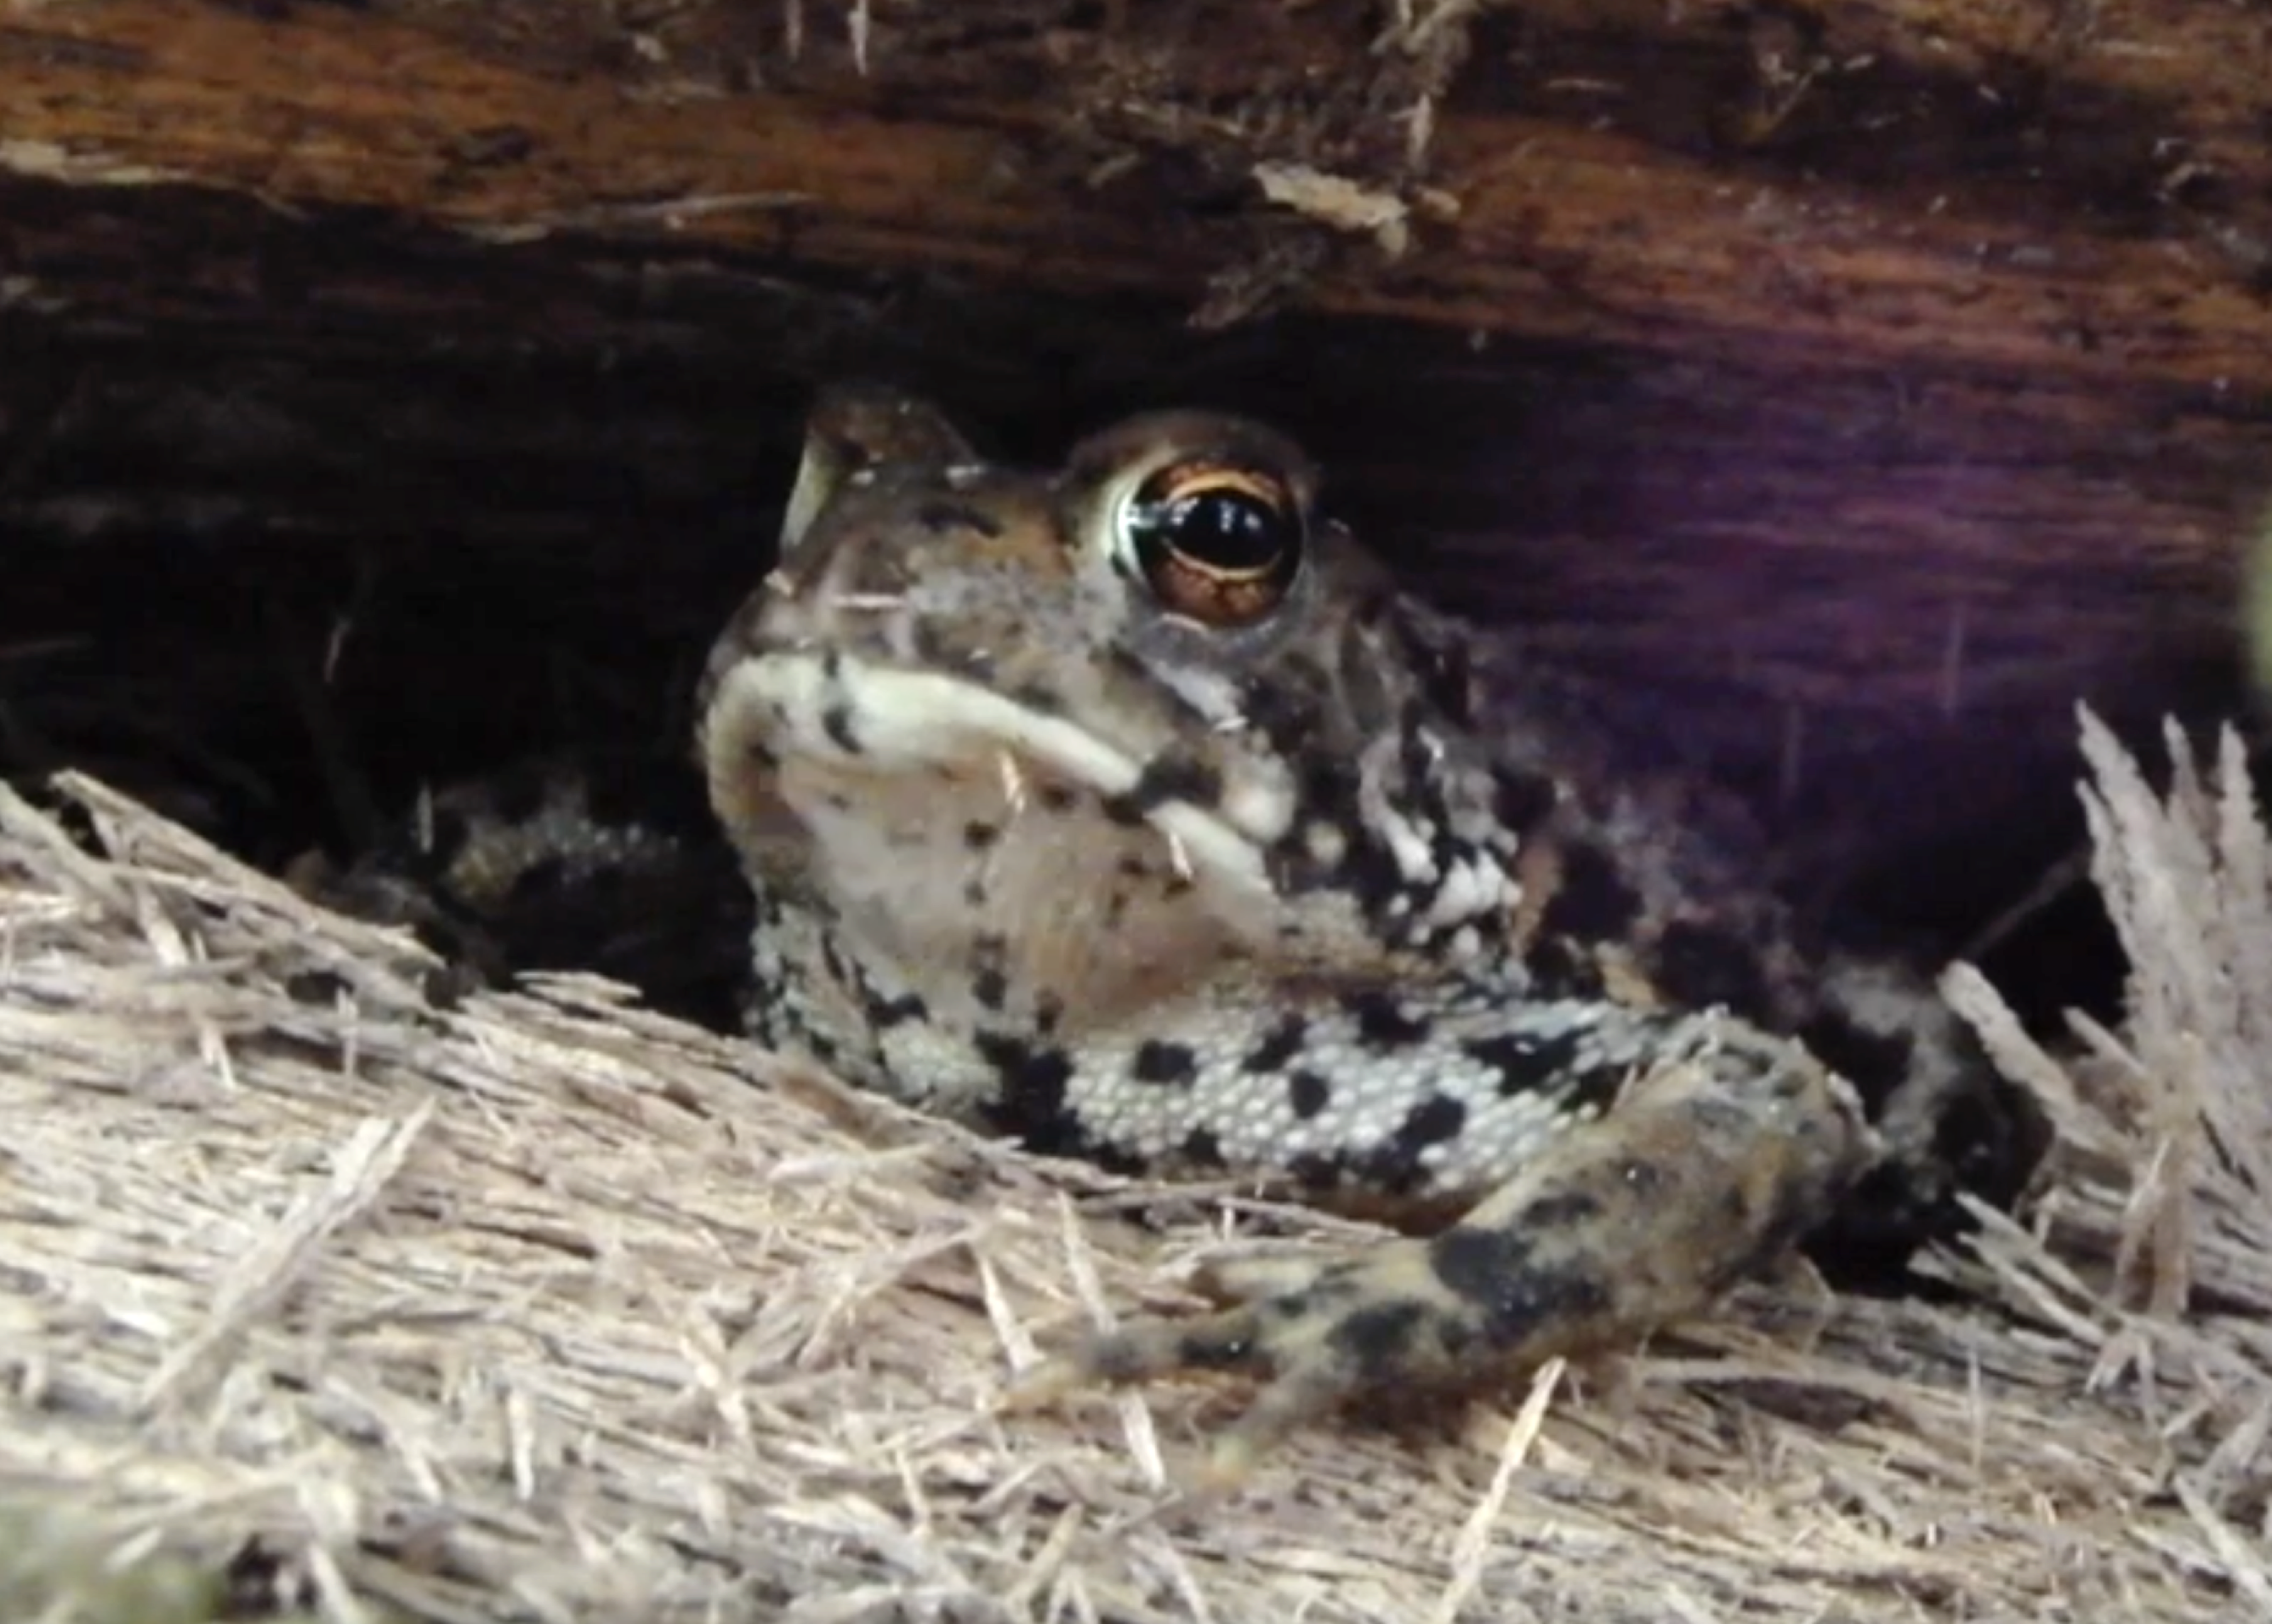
(548, 1308)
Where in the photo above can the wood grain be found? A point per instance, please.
(2005, 185)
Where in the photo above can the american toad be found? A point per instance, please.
(1128, 808)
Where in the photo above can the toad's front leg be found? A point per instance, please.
(1708, 1166)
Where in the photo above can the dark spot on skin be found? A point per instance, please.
(1035, 697)
(1166, 778)
(1376, 1340)
(1562, 969)
(942, 518)
(1524, 1064)
(1431, 1122)
(1325, 786)
(1032, 1101)
(973, 892)
(1287, 1307)
(1873, 1062)
(1523, 800)
(1380, 1024)
(1278, 1048)
(1591, 900)
(1049, 1009)
(1164, 1063)
(1472, 1261)
(1395, 1168)
(990, 957)
(1278, 711)
(1456, 1338)
(1495, 1270)
(1698, 966)
(836, 721)
(978, 836)
(1549, 1213)
(1055, 797)
(1202, 1148)
(1327, 794)
(1373, 879)
(883, 1013)
(1308, 1094)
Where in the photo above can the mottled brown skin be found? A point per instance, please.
(1127, 807)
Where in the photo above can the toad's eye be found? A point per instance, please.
(1216, 542)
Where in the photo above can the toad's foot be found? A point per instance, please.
(1705, 1168)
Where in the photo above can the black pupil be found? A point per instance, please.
(1226, 529)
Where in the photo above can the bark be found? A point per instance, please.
(2018, 185)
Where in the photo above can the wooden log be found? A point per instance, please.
(2008, 185)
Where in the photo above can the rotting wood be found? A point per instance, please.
(2010, 187)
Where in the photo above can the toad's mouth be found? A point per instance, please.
(854, 718)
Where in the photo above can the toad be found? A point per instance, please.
(1129, 808)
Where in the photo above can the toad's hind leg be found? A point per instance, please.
(1706, 1168)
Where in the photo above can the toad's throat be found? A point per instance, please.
(856, 717)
